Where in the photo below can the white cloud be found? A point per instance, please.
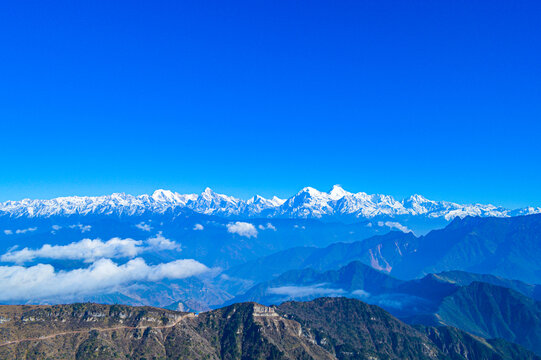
(55, 228)
(90, 250)
(42, 281)
(395, 225)
(86, 249)
(83, 228)
(269, 226)
(24, 231)
(159, 242)
(198, 227)
(303, 291)
(20, 231)
(143, 226)
(361, 293)
(242, 229)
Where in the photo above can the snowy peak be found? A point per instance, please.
(258, 204)
(167, 196)
(309, 192)
(417, 199)
(337, 192)
(307, 203)
(277, 201)
(212, 203)
(257, 199)
(418, 204)
(208, 194)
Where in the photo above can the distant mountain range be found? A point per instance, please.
(200, 252)
(326, 328)
(307, 203)
(507, 247)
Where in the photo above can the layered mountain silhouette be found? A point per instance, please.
(491, 309)
(506, 247)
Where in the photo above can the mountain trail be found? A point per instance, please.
(12, 342)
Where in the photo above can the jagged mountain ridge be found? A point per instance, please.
(307, 203)
(326, 328)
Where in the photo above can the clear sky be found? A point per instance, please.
(441, 98)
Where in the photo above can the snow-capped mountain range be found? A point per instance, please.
(307, 203)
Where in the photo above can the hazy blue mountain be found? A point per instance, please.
(379, 252)
(505, 247)
(307, 284)
(414, 300)
(479, 308)
(464, 278)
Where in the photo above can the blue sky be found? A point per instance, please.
(441, 98)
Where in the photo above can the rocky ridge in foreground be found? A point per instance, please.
(325, 328)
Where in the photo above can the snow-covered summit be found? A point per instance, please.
(167, 196)
(337, 192)
(307, 203)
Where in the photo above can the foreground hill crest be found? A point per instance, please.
(325, 328)
(307, 203)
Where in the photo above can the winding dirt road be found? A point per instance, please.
(93, 329)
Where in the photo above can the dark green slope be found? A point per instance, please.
(352, 329)
(494, 312)
(459, 345)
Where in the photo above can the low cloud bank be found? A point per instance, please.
(395, 225)
(361, 293)
(90, 250)
(42, 281)
(19, 231)
(242, 228)
(304, 291)
(83, 228)
(269, 226)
